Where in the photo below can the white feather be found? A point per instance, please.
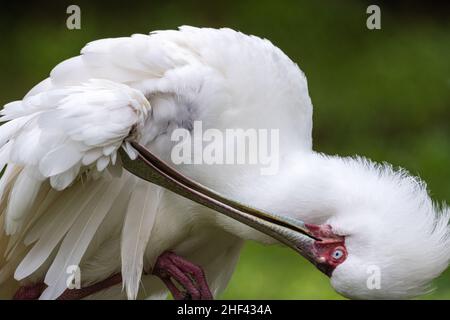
(137, 228)
(77, 240)
(63, 180)
(9, 129)
(59, 160)
(17, 238)
(5, 181)
(44, 215)
(64, 213)
(21, 200)
(4, 155)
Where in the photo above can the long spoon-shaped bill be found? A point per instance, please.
(291, 232)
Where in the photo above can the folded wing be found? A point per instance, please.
(63, 134)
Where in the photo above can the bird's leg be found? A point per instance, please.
(33, 292)
(168, 267)
(191, 277)
(30, 292)
(77, 294)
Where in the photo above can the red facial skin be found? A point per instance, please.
(325, 249)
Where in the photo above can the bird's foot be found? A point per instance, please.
(33, 292)
(191, 277)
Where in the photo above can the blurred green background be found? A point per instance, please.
(383, 94)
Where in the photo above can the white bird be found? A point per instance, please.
(67, 202)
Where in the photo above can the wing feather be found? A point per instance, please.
(62, 132)
(137, 228)
(64, 213)
(21, 199)
(78, 238)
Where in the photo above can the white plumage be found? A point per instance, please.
(66, 201)
(138, 225)
(57, 132)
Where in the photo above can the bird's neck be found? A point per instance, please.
(311, 187)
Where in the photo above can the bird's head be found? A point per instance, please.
(386, 238)
(375, 265)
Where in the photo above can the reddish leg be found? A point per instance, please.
(171, 267)
(168, 267)
(33, 292)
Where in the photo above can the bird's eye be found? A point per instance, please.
(337, 254)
